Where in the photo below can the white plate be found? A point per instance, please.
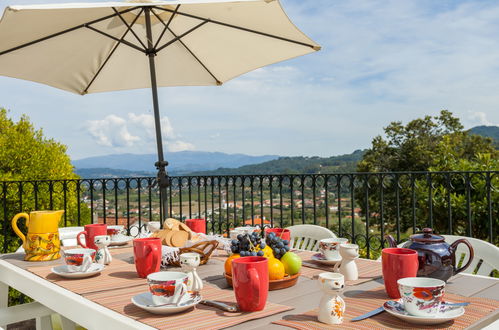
(120, 240)
(319, 257)
(445, 314)
(62, 270)
(144, 300)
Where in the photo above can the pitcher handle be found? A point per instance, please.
(472, 253)
(16, 229)
(79, 240)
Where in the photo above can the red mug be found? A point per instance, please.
(398, 263)
(279, 232)
(196, 225)
(90, 232)
(147, 255)
(250, 279)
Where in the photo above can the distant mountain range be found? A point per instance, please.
(180, 163)
(219, 163)
(295, 165)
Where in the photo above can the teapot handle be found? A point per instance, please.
(391, 241)
(472, 253)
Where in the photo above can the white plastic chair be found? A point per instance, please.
(67, 235)
(307, 237)
(486, 255)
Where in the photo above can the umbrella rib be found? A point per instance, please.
(130, 27)
(116, 39)
(165, 25)
(242, 28)
(197, 59)
(181, 36)
(62, 32)
(85, 91)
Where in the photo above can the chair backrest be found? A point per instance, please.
(67, 235)
(486, 255)
(307, 237)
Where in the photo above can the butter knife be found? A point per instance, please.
(369, 314)
(220, 305)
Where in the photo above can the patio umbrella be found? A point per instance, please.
(96, 47)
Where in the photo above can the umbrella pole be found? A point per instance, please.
(161, 164)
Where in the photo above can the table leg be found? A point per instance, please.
(4, 299)
(44, 323)
(67, 324)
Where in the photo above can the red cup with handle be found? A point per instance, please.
(250, 279)
(196, 225)
(279, 232)
(147, 255)
(398, 263)
(90, 232)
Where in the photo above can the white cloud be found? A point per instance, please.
(115, 132)
(479, 118)
(112, 131)
(180, 146)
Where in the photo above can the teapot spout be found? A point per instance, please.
(391, 241)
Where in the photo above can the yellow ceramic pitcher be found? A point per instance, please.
(41, 243)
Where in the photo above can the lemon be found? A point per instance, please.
(267, 252)
(276, 269)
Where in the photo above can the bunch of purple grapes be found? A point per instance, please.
(279, 246)
(246, 245)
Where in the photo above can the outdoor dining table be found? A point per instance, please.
(88, 311)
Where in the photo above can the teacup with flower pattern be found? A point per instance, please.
(421, 296)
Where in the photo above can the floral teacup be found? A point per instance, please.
(421, 295)
(167, 287)
(330, 247)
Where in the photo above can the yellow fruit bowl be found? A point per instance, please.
(286, 282)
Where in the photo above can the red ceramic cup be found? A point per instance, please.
(279, 232)
(90, 232)
(196, 225)
(147, 255)
(398, 263)
(250, 279)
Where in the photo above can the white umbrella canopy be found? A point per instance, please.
(96, 47)
(197, 43)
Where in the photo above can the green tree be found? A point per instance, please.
(432, 144)
(26, 159)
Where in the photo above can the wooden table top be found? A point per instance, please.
(305, 295)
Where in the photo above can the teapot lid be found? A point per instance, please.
(427, 237)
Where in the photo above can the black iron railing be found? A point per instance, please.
(361, 206)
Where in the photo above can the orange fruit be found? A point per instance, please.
(276, 269)
(228, 263)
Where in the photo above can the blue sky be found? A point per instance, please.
(381, 61)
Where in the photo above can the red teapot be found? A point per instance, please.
(436, 258)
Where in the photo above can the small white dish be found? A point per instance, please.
(444, 314)
(144, 301)
(319, 257)
(63, 271)
(120, 240)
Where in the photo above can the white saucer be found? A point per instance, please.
(144, 300)
(445, 314)
(62, 270)
(120, 240)
(319, 257)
